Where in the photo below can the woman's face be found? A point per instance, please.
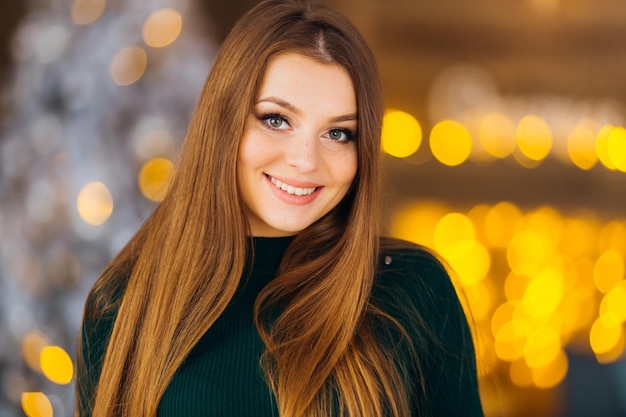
(298, 154)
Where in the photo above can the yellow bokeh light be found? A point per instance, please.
(553, 374)
(416, 222)
(602, 146)
(155, 177)
(614, 354)
(477, 215)
(509, 343)
(613, 236)
(469, 259)
(608, 270)
(581, 147)
(616, 148)
(542, 347)
(521, 375)
(496, 134)
(605, 333)
(128, 65)
(162, 28)
(85, 12)
(56, 365)
(502, 316)
(450, 142)
(528, 252)
(577, 309)
(501, 224)
(95, 203)
(614, 302)
(534, 137)
(543, 294)
(36, 404)
(545, 221)
(401, 134)
(451, 229)
(515, 286)
(32, 345)
(577, 238)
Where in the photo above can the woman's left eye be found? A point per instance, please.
(340, 135)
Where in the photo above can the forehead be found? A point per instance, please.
(304, 82)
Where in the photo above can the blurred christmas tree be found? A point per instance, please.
(94, 111)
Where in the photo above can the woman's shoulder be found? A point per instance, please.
(410, 263)
(416, 277)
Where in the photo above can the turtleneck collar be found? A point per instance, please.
(268, 252)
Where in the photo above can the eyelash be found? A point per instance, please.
(265, 118)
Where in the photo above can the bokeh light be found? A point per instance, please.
(450, 142)
(501, 224)
(581, 147)
(162, 28)
(528, 282)
(534, 137)
(543, 294)
(65, 122)
(469, 259)
(416, 222)
(57, 365)
(608, 270)
(551, 375)
(497, 135)
(128, 65)
(614, 302)
(32, 345)
(605, 333)
(85, 12)
(36, 404)
(154, 178)
(95, 203)
(616, 148)
(602, 146)
(401, 134)
(452, 229)
(542, 347)
(528, 252)
(613, 236)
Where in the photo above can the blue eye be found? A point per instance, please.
(340, 135)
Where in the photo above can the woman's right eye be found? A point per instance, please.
(275, 121)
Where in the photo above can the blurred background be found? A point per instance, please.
(505, 151)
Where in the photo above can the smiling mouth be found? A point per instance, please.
(290, 189)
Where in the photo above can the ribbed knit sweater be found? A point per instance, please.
(222, 377)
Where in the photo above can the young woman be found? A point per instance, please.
(260, 285)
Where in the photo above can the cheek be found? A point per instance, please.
(346, 168)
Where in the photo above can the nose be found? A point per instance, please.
(302, 152)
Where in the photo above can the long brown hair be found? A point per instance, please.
(181, 269)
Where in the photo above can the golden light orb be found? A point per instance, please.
(162, 28)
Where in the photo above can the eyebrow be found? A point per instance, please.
(294, 109)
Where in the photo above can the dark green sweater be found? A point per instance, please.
(221, 375)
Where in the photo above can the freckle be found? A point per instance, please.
(387, 260)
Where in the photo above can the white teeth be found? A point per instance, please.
(291, 189)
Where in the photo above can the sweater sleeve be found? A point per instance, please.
(434, 317)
